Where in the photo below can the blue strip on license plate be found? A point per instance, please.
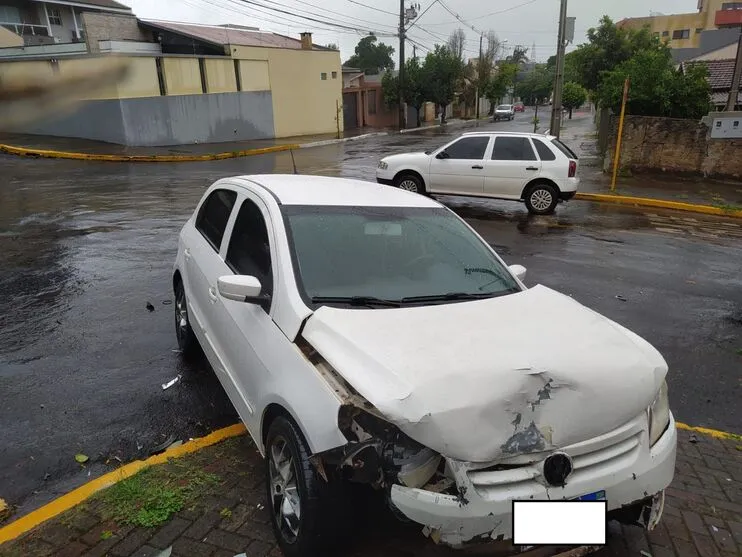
(597, 496)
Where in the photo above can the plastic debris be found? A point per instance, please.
(260, 506)
(81, 458)
(165, 552)
(241, 555)
(164, 445)
(693, 439)
(619, 297)
(150, 307)
(170, 383)
(645, 553)
(175, 444)
(715, 528)
(167, 302)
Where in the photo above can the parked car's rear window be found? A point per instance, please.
(390, 253)
(564, 149)
(214, 214)
(544, 152)
(512, 149)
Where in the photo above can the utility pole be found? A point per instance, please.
(414, 51)
(480, 67)
(556, 105)
(400, 96)
(734, 91)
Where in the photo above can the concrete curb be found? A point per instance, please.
(44, 153)
(659, 204)
(341, 140)
(77, 496)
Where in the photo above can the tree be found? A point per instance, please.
(414, 92)
(370, 57)
(390, 89)
(456, 43)
(519, 56)
(657, 88)
(503, 78)
(441, 73)
(333, 46)
(574, 96)
(536, 86)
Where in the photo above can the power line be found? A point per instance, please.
(433, 3)
(490, 14)
(459, 18)
(371, 7)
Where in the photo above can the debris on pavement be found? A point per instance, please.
(645, 553)
(619, 297)
(693, 439)
(164, 445)
(170, 383)
(4, 509)
(165, 552)
(150, 307)
(167, 302)
(81, 458)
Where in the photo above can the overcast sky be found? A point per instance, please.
(520, 22)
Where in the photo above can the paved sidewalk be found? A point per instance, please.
(227, 514)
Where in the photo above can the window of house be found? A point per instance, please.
(249, 251)
(323, 76)
(371, 100)
(665, 33)
(731, 6)
(55, 16)
(513, 149)
(10, 14)
(681, 34)
(544, 153)
(213, 216)
(469, 148)
(334, 75)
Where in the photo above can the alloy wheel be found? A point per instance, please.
(181, 315)
(284, 489)
(541, 199)
(408, 185)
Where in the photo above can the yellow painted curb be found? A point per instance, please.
(715, 433)
(77, 496)
(43, 153)
(659, 204)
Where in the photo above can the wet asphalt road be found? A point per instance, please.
(85, 246)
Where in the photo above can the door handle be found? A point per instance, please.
(187, 253)
(532, 168)
(478, 167)
(212, 294)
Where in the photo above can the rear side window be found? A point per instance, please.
(468, 148)
(564, 149)
(214, 214)
(544, 152)
(513, 149)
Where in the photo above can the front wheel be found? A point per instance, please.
(409, 182)
(307, 512)
(542, 199)
(187, 341)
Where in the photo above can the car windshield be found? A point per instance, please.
(503, 107)
(390, 256)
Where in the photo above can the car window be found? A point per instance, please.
(564, 149)
(544, 152)
(513, 149)
(249, 249)
(214, 214)
(468, 148)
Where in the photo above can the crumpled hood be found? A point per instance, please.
(479, 381)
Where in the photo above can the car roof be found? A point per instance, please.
(301, 189)
(505, 132)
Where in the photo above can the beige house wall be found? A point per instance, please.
(254, 75)
(182, 76)
(220, 76)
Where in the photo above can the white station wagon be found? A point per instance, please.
(537, 169)
(368, 334)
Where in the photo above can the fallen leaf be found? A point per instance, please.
(81, 458)
(4, 509)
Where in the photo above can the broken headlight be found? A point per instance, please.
(659, 415)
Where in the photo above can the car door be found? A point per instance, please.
(512, 165)
(249, 339)
(203, 242)
(458, 168)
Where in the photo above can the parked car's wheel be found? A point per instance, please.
(541, 199)
(307, 512)
(410, 182)
(187, 341)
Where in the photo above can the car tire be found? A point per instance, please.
(308, 514)
(410, 182)
(541, 199)
(187, 341)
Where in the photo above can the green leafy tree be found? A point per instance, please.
(519, 56)
(371, 57)
(390, 89)
(442, 73)
(574, 96)
(657, 88)
(415, 90)
(333, 46)
(502, 79)
(536, 86)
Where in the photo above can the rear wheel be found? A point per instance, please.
(410, 182)
(541, 199)
(187, 341)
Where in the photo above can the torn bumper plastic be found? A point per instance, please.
(483, 509)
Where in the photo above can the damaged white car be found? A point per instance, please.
(368, 334)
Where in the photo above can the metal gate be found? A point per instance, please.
(350, 111)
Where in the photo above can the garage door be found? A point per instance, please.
(350, 110)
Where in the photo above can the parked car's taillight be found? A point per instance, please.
(572, 169)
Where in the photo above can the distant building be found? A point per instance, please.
(187, 83)
(720, 74)
(713, 26)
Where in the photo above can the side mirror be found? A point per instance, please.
(442, 155)
(519, 271)
(240, 288)
(428, 152)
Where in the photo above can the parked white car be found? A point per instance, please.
(504, 112)
(367, 334)
(537, 169)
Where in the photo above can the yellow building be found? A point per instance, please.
(191, 83)
(686, 30)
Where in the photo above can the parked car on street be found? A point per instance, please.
(504, 112)
(537, 169)
(519, 107)
(369, 335)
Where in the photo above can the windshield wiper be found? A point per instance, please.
(450, 297)
(356, 301)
